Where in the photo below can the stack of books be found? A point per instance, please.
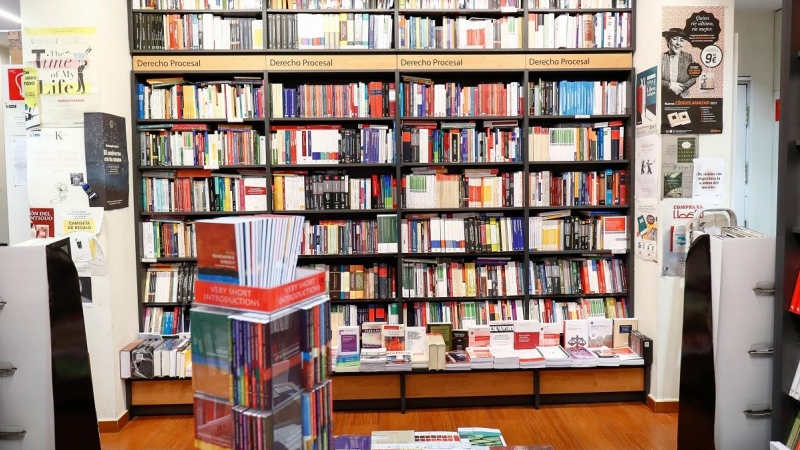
(555, 356)
(373, 359)
(481, 357)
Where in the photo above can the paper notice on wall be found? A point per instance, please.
(646, 230)
(20, 152)
(78, 220)
(87, 254)
(678, 155)
(709, 180)
(647, 166)
(56, 168)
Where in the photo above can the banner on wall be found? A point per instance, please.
(692, 72)
(61, 76)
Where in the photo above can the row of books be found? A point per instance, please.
(457, 233)
(196, 145)
(598, 142)
(203, 190)
(169, 283)
(596, 188)
(166, 320)
(168, 239)
(568, 98)
(483, 277)
(351, 237)
(598, 30)
(330, 4)
(220, 5)
(547, 310)
(323, 144)
(475, 188)
(565, 232)
(429, 142)
(360, 99)
(578, 4)
(360, 281)
(298, 192)
(578, 276)
(237, 99)
(358, 313)
(156, 357)
(330, 31)
(459, 4)
(467, 33)
(421, 97)
(196, 32)
(500, 345)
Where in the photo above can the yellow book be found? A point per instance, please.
(277, 193)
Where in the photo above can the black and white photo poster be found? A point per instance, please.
(692, 72)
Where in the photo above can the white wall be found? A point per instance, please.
(659, 300)
(6, 185)
(756, 45)
(112, 321)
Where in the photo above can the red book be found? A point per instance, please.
(526, 334)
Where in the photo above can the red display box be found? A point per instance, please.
(308, 284)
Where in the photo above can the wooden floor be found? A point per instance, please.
(580, 427)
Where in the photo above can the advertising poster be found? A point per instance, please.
(61, 80)
(692, 70)
(106, 182)
(646, 98)
(56, 168)
(709, 179)
(676, 238)
(679, 153)
(646, 230)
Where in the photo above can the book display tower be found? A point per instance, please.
(426, 143)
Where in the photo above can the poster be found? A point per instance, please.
(646, 99)
(646, 230)
(679, 153)
(647, 166)
(709, 179)
(56, 168)
(61, 76)
(106, 161)
(692, 70)
(676, 237)
(42, 223)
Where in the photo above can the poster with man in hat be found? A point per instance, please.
(692, 70)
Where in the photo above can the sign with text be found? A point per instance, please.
(185, 63)
(578, 61)
(319, 63)
(461, 62)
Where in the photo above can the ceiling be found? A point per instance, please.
(11, 7)
(772, 5)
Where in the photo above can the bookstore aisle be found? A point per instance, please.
(628, 426)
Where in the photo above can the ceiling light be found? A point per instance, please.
(9, 16)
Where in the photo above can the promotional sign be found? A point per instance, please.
(692, 72)
(15, 91)
(646, 230)
(106, 161)
(646, 97)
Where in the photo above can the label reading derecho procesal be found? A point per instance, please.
(431, 62)
(563, 61)
(300, 62)
(167, 63)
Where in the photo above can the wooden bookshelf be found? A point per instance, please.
(389, 65)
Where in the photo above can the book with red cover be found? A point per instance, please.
(218, 252)
(526, 334)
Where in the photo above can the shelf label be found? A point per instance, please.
(579, 61)
(191, 63)
(462, 62)
(314, 63)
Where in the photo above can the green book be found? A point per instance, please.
(211, 350)
(443, 328)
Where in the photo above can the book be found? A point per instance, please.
(428, 189)
(416, 343)
(526, 334)
(465, 233)
(186, 144)
(463, 279)
(578, 31)
(330, 31)
(125, 358)
(444, 329)
(570, 233)
(555, 356)
(601, 332)
(457, 360)
(429, 142)
(576, 333)
(469, 33)
(168, 239)
(460, 340)
(377, 99)
(394, 338)
(602, 141)
(372, 335)
(501, 334)
(482, 437)
(479, 336)
(596, 188)
(332, 191)
(596, 276)
(422, 97)
(577, 98)
(360, 281)
(201, 100)
(314, 144)
(622, 331)
(436, 351)
(196, 32)
(581, 357)
(550, 311)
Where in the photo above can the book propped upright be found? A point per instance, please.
(445, 329)
(460, 340)
(576, 333)
(501, 334)
(526, 334)
(436, 351)
(622, 331)
(372, 334)
(479, 335)
(394, 337)
(219, 259)
(417, 344)
(601, 332)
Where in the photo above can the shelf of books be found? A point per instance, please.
(438, 185)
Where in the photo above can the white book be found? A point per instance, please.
(601, 332)
(576, 333)
(416, 343)
(501, 334)
(793, 390)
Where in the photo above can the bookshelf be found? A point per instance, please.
(294, 67)
(787, 326)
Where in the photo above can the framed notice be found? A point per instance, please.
(692, 72)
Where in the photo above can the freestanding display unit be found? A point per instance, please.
(46, 395)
